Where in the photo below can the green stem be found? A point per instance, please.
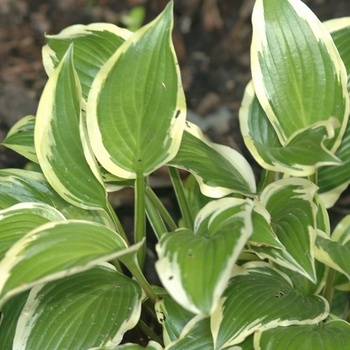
(150, 334)
(131, 262)
(155, 219)
(161, 208)
(140, 217)
(328, 289)
(117, 223)
(181, 198)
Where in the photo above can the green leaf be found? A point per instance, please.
(195, 267)
(18, 186)
(94, 44)
(247, 344)
(321, 336)
(293, 219)
(341, 233)
(339, 28)
(263, 234)
(339, 305)
(341, 282)
(302, 153)
(172, 317)
(54, 250)
(11, 311)
(260, 297)
(152, 345)
(302, 284)
(322, 217)
(196, 200)
(21, 218)
(57, 140)
(92, 308)
(333, 181)
(334, 251)
(196, 335)
(298, 75)
(140, 128)
(219, 170)
(20, 138)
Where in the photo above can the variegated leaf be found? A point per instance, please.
(260, 297)
(18, 186)
(58, 142)
(94, 44)
(195, 267)
(54, 250)
(298, 74)
(21, 218)
(219, 170)
(290, 202)
(321, 336)
(92, 308)
(20, 138)
(140, 128)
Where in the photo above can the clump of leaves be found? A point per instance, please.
(248, 267)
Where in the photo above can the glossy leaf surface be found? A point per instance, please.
(11, 311)
(334, 251)
(94, 44)
(19, 219)
(172, 317)
(55, 250)
(18, 186)
(20, 138)
(293, 219)
(333, 181)
(196, 335)
(294, 59)
(263, 233)
(195, 267)
(218, 169)
(260, 297)
(300, 155)
(138, 129)
(322, 336)
(57, 139)
(92, 308)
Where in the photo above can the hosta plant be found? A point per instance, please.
(249, 265)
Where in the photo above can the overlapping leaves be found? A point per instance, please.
(195, 266)
(275, 303)
(92, 308)
(54, 250)
(290, 203)
(138, 129)
(292, 58)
